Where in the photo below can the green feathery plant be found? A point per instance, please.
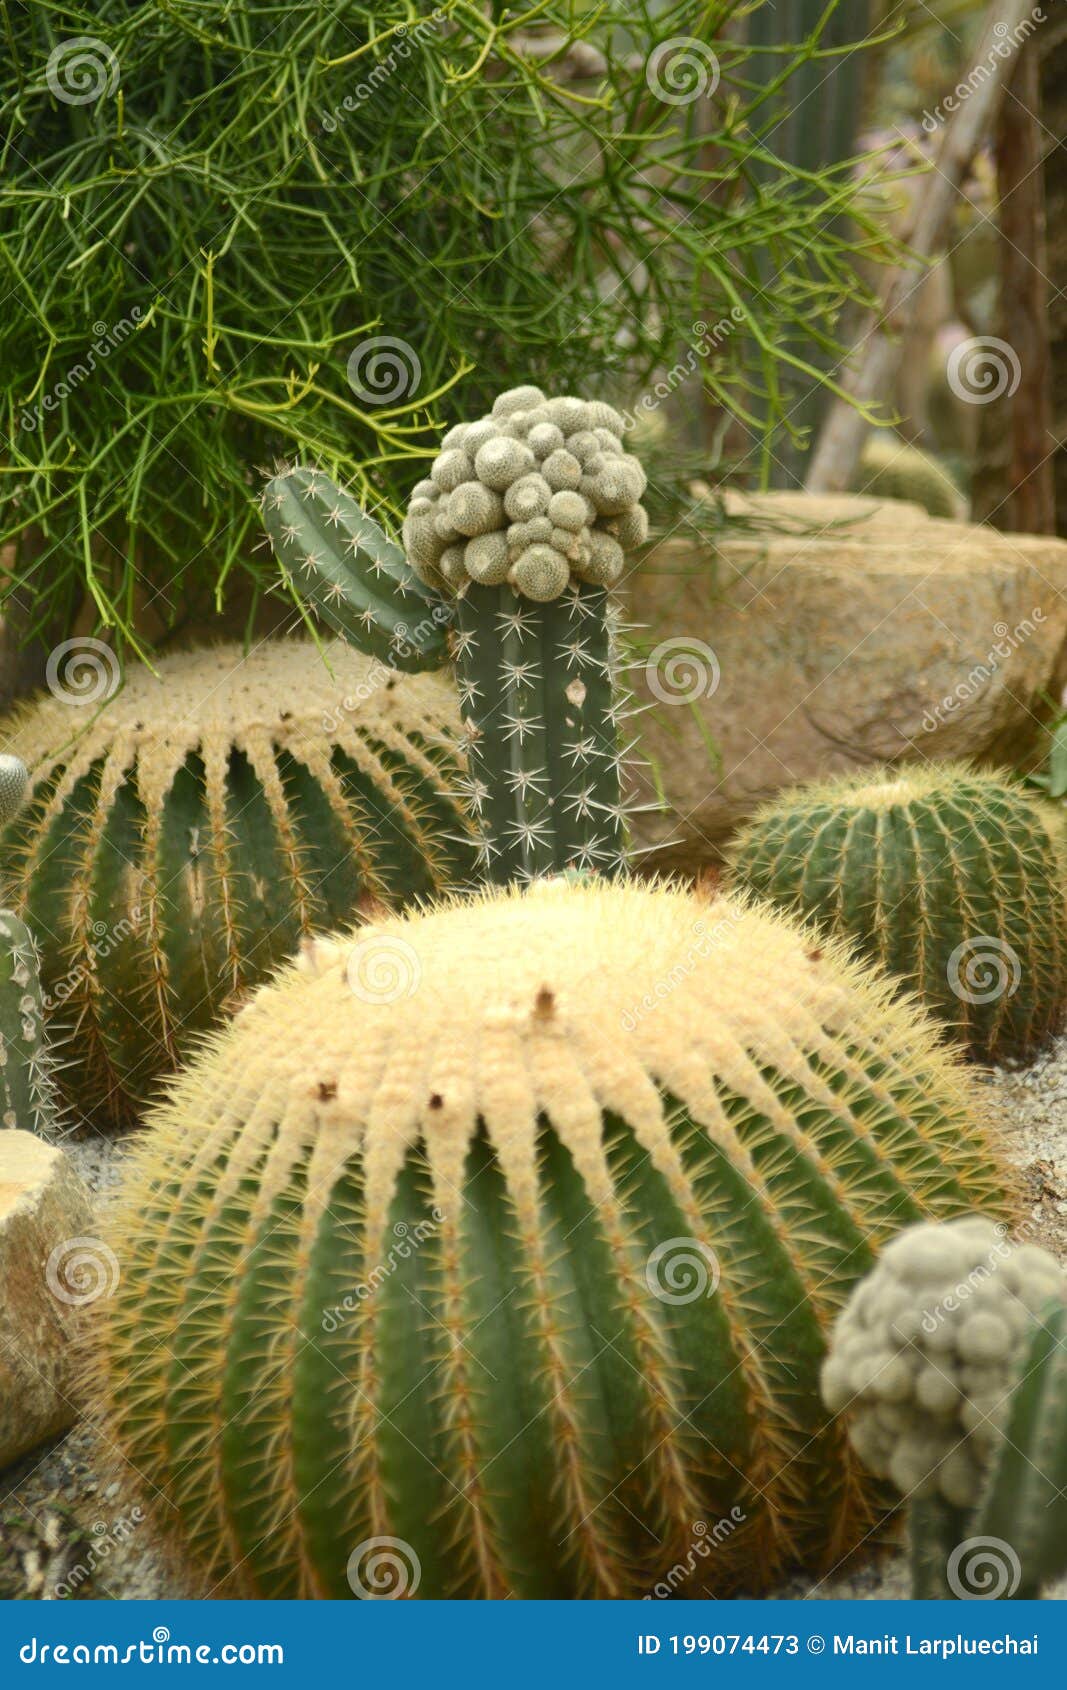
(215, 211)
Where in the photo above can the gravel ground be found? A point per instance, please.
(67, 1523)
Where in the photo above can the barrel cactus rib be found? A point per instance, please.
(513, 1149)
(178, 844)
(27, 1067)
(953, 880)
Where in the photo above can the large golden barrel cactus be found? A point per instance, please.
(493, 1250)
(183, 835)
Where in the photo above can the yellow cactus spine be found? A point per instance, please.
(497, 1245)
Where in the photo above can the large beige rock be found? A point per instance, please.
(50, 1267)
(883, 635)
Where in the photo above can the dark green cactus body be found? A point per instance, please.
(344, 566)
(535, 685)
(950, 879)
(1017, 1533)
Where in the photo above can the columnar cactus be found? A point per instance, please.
(27, 1093)
(953, 880)
(951, 1360)
(177, 845)
(520, 528)
(492, 1251)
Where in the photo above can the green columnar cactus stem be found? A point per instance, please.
(520, 527)
(535, 687)
(506, 1238)
(951, 879)
(342, 563)
(202, 822)
(27, 1097)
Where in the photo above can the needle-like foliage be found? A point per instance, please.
(213, 213)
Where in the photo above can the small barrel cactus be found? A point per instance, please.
(953, 880)
(495, 1248)
(178, 844)
(950, 1359)
(27, 1090)
(519, 530)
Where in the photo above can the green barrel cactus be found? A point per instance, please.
(951, 1360)
(512, 543)
(27, 1089)
(952, 879)
(182, 836)
(492, 1251)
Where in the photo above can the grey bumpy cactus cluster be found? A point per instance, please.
(540, 493)
(928, 1348)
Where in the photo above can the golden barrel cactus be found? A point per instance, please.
(492, 1251)
(181, 837)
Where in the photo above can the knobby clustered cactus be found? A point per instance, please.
(178, 844)
(953, 880)
(949, 1359)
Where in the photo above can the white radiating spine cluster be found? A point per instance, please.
(540, 493)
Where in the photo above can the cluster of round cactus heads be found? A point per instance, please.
(540, 494)
(178, 844)
(951, 879)
(465, 1236)
(925, 1354)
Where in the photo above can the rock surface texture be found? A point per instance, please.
(835, 633)
(48, 1269)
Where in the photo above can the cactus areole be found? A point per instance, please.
(496, 1248)
(512, 543)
